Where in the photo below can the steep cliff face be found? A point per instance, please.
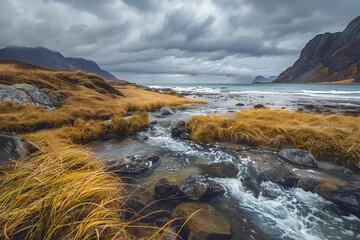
(328, 57)
(44, 57)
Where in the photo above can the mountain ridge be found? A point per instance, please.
(328, 57)
(262, 79)
(44, 57)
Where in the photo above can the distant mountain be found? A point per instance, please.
(44, 57)
(262, 79)
(328, 57)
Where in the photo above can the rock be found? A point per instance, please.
(298, 156)
(143, 137)
(178, 130)
(215, 189)
(272, 169)
(8, 93)
(153, 157)
(308, 179)
(206, 224)
(12, 147)
(347, 199)
(167, 188)
(240, 104)
(37, 96)
(164, 111)
(258, 106)
(130, 164)
(195, 186)
(224, 169)
(331, 188)
(25, 93)
(309, 106)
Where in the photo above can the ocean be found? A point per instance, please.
(335, 91)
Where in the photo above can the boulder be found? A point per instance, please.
(257, 106)
(9, 93)
(167, 188)
(214, 190)
(240, 104)
(195, 187)
(178, 130)
(224, 169)
(12, 147)
(25, 93)
(299, 157)
(37, 96)
(202, 221)
(272, 169)
(164, 111)
(130, 164)
(349, 199)
(153, 157)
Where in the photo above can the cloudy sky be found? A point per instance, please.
(164, 41)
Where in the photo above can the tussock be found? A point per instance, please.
(332, 137)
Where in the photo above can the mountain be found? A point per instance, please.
(44, 57)
(262, 79)
(328, 57)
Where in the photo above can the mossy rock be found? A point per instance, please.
(203, 222)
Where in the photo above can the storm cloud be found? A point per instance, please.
(164, 41)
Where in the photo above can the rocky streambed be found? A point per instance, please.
(237, 192)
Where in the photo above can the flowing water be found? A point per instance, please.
(271, 213)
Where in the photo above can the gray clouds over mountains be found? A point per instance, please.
(152, 41)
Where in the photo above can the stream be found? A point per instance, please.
(270, 212)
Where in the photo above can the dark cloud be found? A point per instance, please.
(185, 40)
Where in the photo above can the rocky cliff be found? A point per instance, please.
(328, 57)
(44, 57)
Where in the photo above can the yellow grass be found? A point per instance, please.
(334, 137)
(61, 191)
(82, 95)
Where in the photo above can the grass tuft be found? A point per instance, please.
(333, 137)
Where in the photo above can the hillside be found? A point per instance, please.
(328, 57)
(44, 57)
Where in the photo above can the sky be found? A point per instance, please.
(182, 41)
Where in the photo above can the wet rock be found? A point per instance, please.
(224, 169)
(206, 224)
(130, 164)
(308, 179)
(258, 106)
(299, 157)
(240, 104)
(12, 147)
(178, 130)
(143, 137)
(195, 186)
(347, 199)
(309, 106)
(272, 169)
(215, 189)
(153, 157)
(332, 188)
(164, 111)
(168, 188)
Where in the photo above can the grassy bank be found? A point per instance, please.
(332, 137)
(61, 191)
